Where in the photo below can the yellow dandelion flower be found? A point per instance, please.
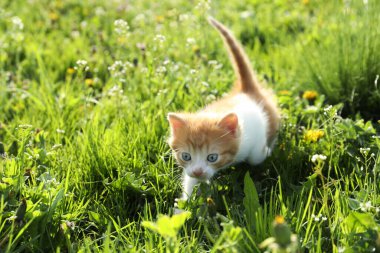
(284, 92)
(159, 19)
(313, 135)
(210, 201)
(279, 219)
(70, 71)
(122, 40)
(195, 48)
(305, 2)
(310, 95)
(53, 16)
(89, 81)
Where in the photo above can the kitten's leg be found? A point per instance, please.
(188, 186)
(258, 156)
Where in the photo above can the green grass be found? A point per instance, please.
(85, 166)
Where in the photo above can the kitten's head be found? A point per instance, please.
(203, 144)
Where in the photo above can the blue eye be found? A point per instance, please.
(212, 158)
(186, 156)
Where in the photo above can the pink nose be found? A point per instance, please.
(198, 173)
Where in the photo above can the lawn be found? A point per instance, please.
(85, 87)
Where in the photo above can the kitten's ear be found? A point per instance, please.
(176, 122)
(229, 122)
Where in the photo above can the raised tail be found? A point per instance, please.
(246, 79)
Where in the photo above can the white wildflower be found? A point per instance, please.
(161, 69)
(17, 23)
(318, 217)
(193, 71)
(364, 151)
(75, 34)
(318, 157)
(60, 131)
(205, 84)
(81, 64)
(184, 17)
(25, 126)
(175, 68)
(121, 26)
(83, 24)
(245, 14)
(328, 108)
(114, 91)
(56, 146)
(139, 18)
(365, 207)
(160, 38)
(12, 218)
(190, 42)
(203, 5)
(215, 64)
(99, 11)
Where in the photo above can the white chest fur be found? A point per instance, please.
(253, 125)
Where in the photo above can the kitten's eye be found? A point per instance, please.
(186, 156)
(212, 158)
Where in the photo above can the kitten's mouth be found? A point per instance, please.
(200, 177)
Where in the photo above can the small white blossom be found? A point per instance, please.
(245, 14)
(160, 38)
(115, 90)
(193, 71)
(205, 84)
(184, 17)
(12, 218)
(25, 126)
(82, 64)
(99, 11)
(60, 131)
(203, 5)
(364, 151)
(328, 108)
(365, 207)
(17, 23)
(318, 217)
(190, 41)
(161, 69)
(341, 249)
(215, 64)
(121, 26)
(318, 157)
(119, 68)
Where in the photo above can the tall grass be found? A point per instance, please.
(341, 57)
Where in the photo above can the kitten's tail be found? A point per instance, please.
(246, 79)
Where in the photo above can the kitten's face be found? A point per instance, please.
(203, 145)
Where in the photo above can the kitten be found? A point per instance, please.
(240, 127)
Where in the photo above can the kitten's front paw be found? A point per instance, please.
(179, 205)
(177, 210)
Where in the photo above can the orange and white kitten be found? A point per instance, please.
(241, 127)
